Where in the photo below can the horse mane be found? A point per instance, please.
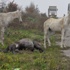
(9, 12)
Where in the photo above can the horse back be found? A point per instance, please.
(54, 24)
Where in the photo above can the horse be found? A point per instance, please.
(5, 19)
(53, 25)
(24, 44)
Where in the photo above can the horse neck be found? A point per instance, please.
(12, 16)
(9, 17)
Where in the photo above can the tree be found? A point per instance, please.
(12, 6)
(32, 9)
(2, 5)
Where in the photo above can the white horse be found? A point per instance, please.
(5, 19)
(51, 25)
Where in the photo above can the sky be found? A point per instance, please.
(43, 5)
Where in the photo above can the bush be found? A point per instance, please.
(32, 18)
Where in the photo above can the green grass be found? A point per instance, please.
(50, 59)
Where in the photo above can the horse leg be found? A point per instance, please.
(2, 35)
(45, 34)
(62, 38)
(48, 40)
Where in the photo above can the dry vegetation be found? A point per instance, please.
(32, 18)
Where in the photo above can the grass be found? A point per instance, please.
(50, 59)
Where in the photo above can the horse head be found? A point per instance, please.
(19, 15)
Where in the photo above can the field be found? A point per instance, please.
(50, 59)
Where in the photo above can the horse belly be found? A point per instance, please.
(55, 27)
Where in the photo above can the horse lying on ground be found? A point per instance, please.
(5, 19)
(24, 44)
